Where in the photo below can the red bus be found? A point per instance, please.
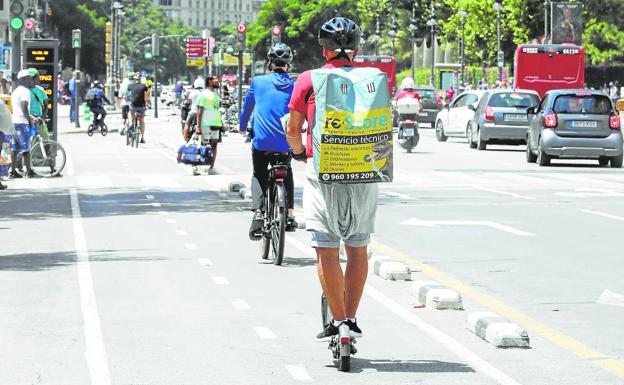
(385, 63)
(544, 67)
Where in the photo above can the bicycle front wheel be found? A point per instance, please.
(47, 158)
(278, 230)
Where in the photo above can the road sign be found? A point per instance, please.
(211, 46)
(232, 60)
(276, 34)
(30, 24)
(241, 28)
(76, 38)
(195, 62)
(195, 47)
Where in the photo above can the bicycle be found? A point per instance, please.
(342, 345)
(275, 209)
(97, 125)
(134, 131)
(47, 157)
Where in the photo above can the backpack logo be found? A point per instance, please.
(370, 87)
(344, 88)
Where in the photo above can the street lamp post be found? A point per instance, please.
(463, 15)
(413, 29)
(498, 7)
(432, 23)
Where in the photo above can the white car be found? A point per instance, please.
(454, 118)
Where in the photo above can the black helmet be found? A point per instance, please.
(279, 54)
(340, 34)
(97, 84)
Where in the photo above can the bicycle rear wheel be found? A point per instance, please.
(278, 228)
(47, 158)
(137, 135)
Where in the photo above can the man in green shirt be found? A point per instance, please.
(38, 104)
(210, 125)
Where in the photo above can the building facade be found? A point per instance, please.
(202, 14)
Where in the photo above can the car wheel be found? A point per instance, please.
(440, 132)
(616, 161)
(471, 144)
(543, 159)
(481, 144)
(603, 161)
(530, 156)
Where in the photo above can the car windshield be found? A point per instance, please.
(582, 104)
(513, 99)
(426, 93)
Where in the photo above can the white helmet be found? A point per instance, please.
(407, 83)
(198, 83)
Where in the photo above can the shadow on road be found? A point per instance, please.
(409, 366)
(48, 261)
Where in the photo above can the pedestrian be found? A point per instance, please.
(20, 107)
(6, 132)
(4, 85)
(60, 86)
(450, 94)
(210, 125)
(613, 91)
(73, 88)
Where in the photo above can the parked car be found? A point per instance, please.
(501, 118)
(431, 104)
(575, 124)
(454, 118)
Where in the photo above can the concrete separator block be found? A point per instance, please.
(388, 268)
(436, 296)
(497, 330)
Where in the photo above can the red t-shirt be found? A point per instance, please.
(301, 90)
(407, 93)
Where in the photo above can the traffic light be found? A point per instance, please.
(241, 36)
(108, 41)
(30, 24)
(16, 11)
(76, 38)
(148, 51)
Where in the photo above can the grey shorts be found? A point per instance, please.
(331, 241)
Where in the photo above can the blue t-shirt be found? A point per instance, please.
(268, 98)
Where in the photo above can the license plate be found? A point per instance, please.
(515, 116)
(408, 132)
(584, 124)
(424, 113)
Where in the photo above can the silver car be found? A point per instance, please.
(501, 118)
(575, 124)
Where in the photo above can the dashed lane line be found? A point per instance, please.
(204, 262)
(511, 194)
(149, 197)
(298, 373)
(439, 336)
(191, 246)
(220, 280)
(240, 304)
(611, 216)
(264, 333)
(156, 204)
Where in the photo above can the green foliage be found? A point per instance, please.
(604, 43)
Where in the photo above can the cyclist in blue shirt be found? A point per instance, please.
(267, 98)
(95, 102)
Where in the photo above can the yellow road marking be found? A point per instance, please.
(612, 365)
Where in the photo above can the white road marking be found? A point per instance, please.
(610, 298)
(204, 262)
(95, 350)
(220, 280)
(162, 212)
(181, 233)
(445, 340)
(240, 304)
(190, 246)
(30, 184)
(596, 194)
(603, 214)
(493, 225)
(156, 204)
(504, 163)
(264, 333)
(171, 221)
(478, 187)
(150, 197)
(298, 373)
